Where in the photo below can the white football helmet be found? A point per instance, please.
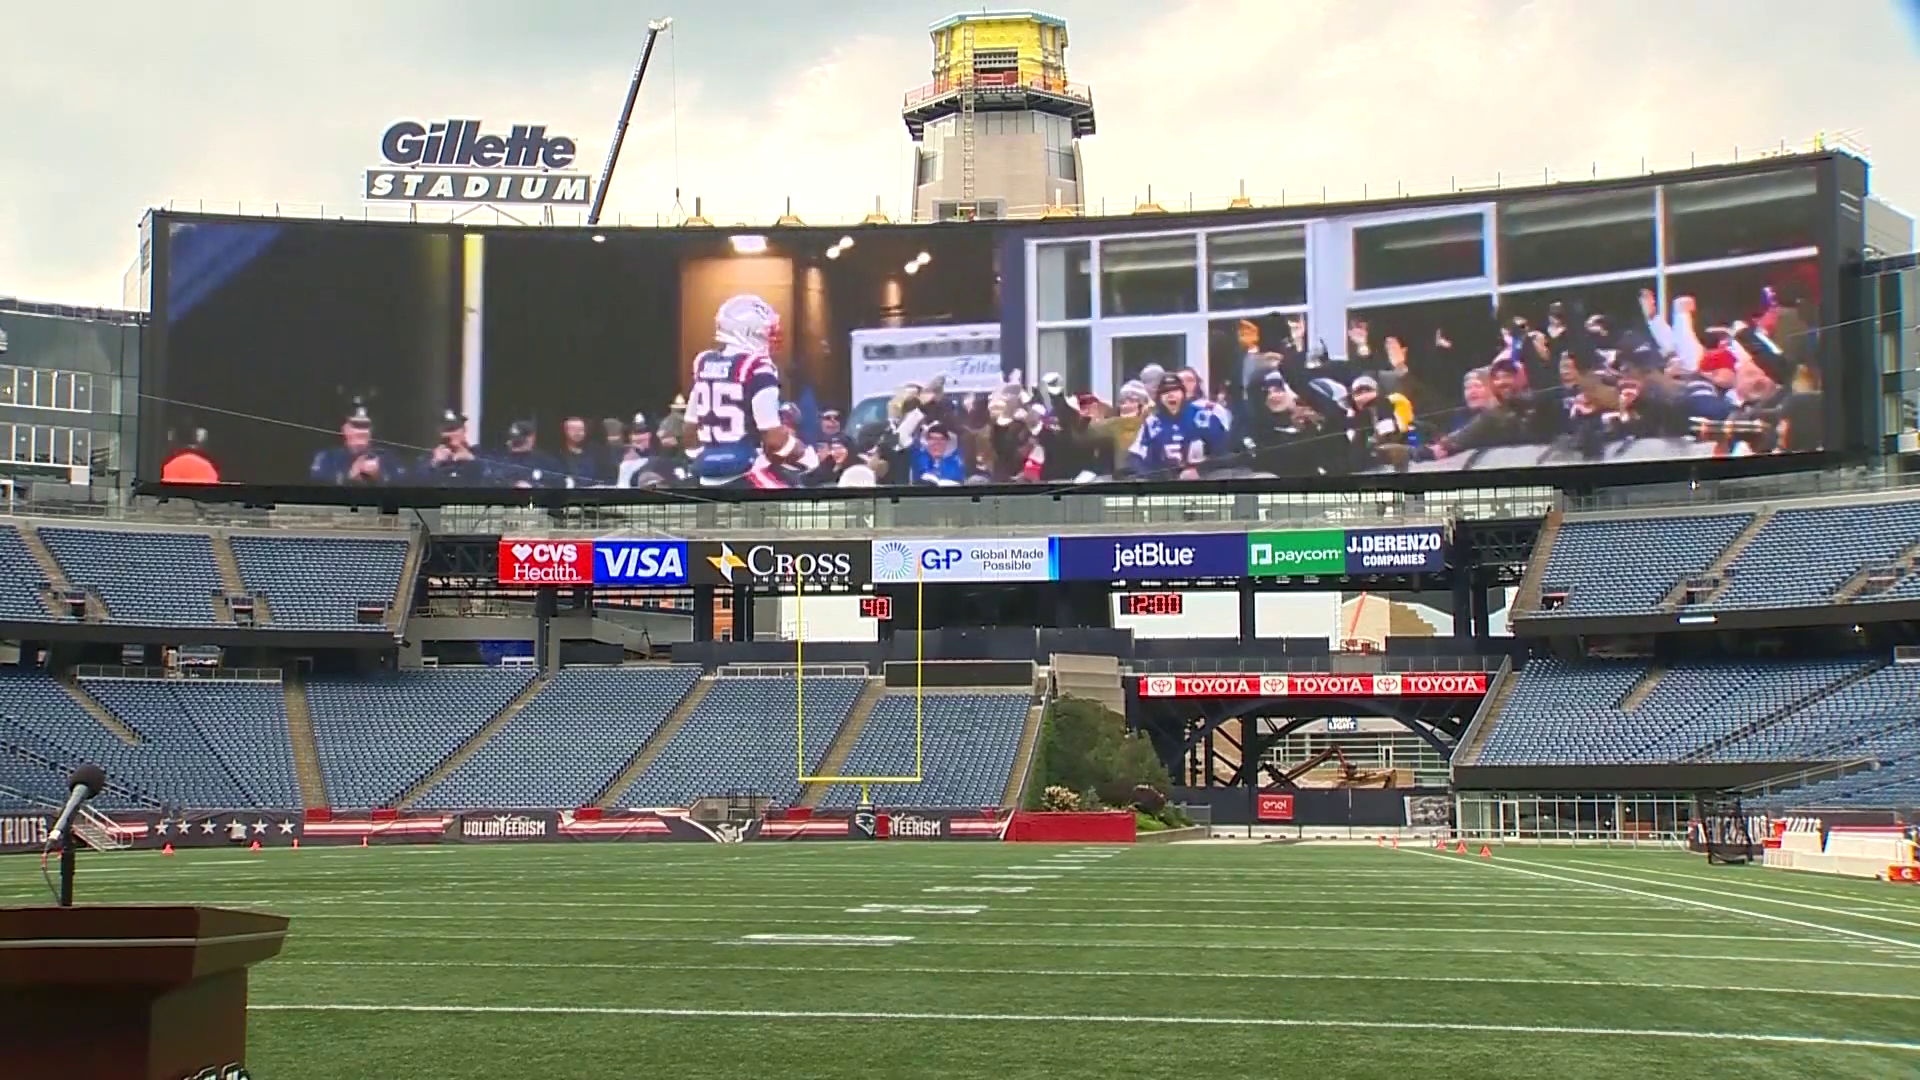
(748, 323)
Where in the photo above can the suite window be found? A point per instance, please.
(1149, 276)
(1419, 252)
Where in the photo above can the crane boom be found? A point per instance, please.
(626, 115)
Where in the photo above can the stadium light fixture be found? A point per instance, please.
(748, 244)
(923, 258)
(913, 268)
(599, 238)
(845, 242)
(833, 252)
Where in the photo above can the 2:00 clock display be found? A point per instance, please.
(1151, 603)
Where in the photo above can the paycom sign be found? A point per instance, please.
(1312, 552)
(1029, 559)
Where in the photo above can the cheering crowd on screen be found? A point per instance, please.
(1577, 383)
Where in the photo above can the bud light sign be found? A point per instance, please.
(1177, 557)
(546, 562)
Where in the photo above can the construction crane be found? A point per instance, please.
(626, 115)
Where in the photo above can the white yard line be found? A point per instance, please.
(1075, 973)
(1520, 867)
(1711, 891)
(1890, 899)
(1088, 1018)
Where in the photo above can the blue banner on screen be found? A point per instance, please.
(1417, 550)
(1150, 558)
(639, 562)
(1027, 559)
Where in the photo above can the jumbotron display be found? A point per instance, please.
(1674, 318)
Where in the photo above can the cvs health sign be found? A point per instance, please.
(546, 562)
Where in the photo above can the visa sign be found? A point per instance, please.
(1177, 557)
(546, 562)
(639, 562)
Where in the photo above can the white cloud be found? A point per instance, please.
(274, 106)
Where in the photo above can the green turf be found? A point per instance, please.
(627, 960)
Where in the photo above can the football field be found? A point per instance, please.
(1023, 962)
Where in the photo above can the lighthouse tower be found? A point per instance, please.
(997, 132)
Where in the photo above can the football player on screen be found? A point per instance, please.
(734, 405)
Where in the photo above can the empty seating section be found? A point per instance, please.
(1836, 726)
(172, 763)
(569, 741)
(20, 579)
(1802, 556)
(144, 577)
(1570, 714)
(740, 739)
(969, 744)
(244, 724)
(1627, 566)
(316, 583)
(378, 735)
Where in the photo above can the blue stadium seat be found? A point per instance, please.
(740, 739)
(243, 724)
(21, 580)
(569, 742)
(149, 578)
(378, 735)
(1802, 556)
(969, 744)
(315, 582)
(1626, 566)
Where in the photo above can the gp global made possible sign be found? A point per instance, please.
(459, 161)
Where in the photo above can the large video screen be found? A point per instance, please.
(1657, 321)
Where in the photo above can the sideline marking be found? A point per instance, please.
(1901, 922)
(1089, 1018)
(1075, 973)
(1884, 900)
(1517, 868)
(978, 889)
(1051, 866)
(916, 909)
(1016, 877)
(882, 940)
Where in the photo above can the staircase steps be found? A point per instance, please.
(844, 739)
(306, 752)
(643, 757)
(474, 742)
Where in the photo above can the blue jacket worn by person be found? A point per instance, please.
(1174, 441)
(943, 470)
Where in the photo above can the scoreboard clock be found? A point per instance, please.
(876, 607)
(1151, 603)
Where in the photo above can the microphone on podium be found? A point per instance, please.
(86, 782)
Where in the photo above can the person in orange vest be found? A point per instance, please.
(190, 464)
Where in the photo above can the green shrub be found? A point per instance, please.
(1086, 748)
(1144, 822)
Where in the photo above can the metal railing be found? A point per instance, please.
(231, 674)
(990, 81)
(492, 217)
(1861, 480)
(1331, 663)
(145, 511)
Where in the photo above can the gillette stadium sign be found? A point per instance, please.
(459, 161)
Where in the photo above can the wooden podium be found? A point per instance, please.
(128, 993)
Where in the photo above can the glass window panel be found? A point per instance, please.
(1257, 268)
(1069, 354)
(62, 446)
(1134, 352)
(42, 445)
(63, 390)
(82, 446)
(1154, 276)
(42, 390)
(1064, 285)
(1742, 215)
(83, 392)
(7, 396)
(1573, 235)
(1418, 252)
(23, 442)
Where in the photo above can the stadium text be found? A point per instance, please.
(459, 144)
(1418, 684)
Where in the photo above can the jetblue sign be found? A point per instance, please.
(1177, 557)
(639, 562)
(458, 161)
(962, 560)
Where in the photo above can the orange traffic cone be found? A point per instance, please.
(1486, 852)
(168, 849)
(1462, 849)
(296, 843)
(1396, 843)
(255, 846)
(1379, 841)
(363, 841)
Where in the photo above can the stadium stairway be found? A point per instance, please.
(233, 584)
(487, 730)
(403, 595)
(1716, 571)
(1526, 599)
(1888, 577)
(650, 749)
(843, 741)
(1092, 678)
(306, 752)
(56, 575)
(1707, 752)
(91, 705)
(1467, 752)
(1016, 793)
(1643, 688)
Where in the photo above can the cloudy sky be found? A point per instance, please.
(112, 106)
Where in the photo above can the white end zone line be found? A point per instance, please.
(1663, 898)
(1903, 922)
(1085, 1018)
